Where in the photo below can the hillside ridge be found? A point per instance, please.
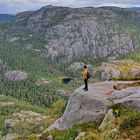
(73, 33)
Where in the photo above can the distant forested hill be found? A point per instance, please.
(6, 17)
(137, 9)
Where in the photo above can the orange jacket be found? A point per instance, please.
(85, 73)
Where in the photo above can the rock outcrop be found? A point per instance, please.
(119, 70)
(4, 104)
(83, 32)
(93, 105)
(42, 81)
(16, 75)
(129, 97)
(77, 65)
(13, 39)
(10, 136)
(2, 63)
(108, 119)
(28, 117)
(80, 135)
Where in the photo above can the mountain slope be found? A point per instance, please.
(20, 51)
(84, 32)
(63, 34)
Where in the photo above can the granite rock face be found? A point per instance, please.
(84, 106)
(92, 106)
(83, 32)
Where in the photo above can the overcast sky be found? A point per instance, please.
(15, 6)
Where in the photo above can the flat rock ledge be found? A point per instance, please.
(92, 106)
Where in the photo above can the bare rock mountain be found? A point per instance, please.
(80, 32)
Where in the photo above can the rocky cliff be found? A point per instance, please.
(84, 32)
(92, 106)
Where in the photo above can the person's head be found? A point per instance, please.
(85, 66)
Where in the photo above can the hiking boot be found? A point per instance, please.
(86, 90)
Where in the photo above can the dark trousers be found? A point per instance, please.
(86, 83)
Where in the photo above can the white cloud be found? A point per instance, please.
(69, 2)
(22, 5)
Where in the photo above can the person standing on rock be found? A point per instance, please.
(85, 75)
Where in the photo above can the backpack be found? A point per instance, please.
(89, 74)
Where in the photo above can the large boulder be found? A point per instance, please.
(109, 73)
(16, 75)
(13, 39)
(129, 97)
(92, 106)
